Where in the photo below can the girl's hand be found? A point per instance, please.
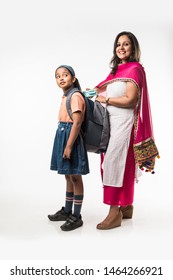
(67, 152)
(77, 122)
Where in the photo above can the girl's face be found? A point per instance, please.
(124, 48)
(64, 79)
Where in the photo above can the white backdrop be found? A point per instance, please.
(36, 37)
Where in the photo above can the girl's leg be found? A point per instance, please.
(75, 220)
(65, 212)
(69, 194)
(78, 193)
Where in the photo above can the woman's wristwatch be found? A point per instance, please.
(107, 100)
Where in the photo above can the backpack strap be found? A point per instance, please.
(69, 94)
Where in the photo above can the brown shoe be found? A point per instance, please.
(114, 222)
(127, 211)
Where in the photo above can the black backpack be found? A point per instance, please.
(95, 127)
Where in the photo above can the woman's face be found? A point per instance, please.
(124, 48)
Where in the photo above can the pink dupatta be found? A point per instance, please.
(145, 150)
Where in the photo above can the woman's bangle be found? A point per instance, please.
(107, 100)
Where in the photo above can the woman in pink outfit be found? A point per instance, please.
(131, 146)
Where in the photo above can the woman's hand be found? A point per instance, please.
(128, 100)
(101, 99)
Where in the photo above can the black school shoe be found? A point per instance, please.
(61, 215)
(72, 223)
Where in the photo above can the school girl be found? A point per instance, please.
(69, 155)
